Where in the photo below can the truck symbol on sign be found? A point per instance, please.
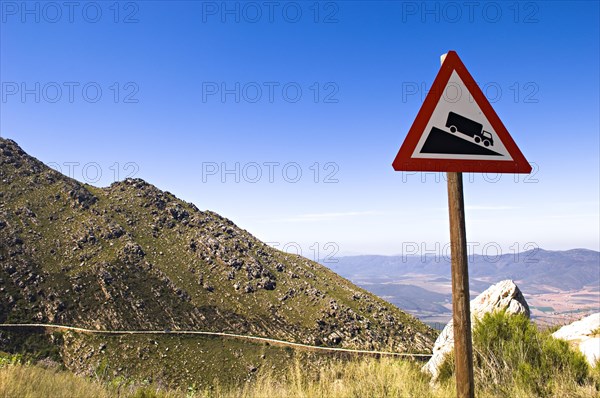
(469, 127)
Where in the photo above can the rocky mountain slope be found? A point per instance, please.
(132, 257)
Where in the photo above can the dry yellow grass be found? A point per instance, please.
(380, 378)
(33, 382)
(25, 381)
(361, 378)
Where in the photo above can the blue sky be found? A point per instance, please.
(177, 93)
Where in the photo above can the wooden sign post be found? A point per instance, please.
(461, 311)
(456, 131)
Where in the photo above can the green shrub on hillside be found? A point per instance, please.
(10, 359)
(510, 354)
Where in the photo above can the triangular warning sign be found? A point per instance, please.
(457, 129)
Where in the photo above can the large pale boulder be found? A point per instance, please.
(503, 295)
(585, 335)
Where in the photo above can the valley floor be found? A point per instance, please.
(429, 298)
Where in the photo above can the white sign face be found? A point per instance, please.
(458, 129)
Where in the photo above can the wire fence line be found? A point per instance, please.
(9, 326)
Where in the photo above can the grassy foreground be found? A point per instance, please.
(512, 359)
(362, 378)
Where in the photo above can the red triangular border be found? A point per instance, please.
(404, 160)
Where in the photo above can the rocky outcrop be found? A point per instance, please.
(585, 335)
(132, 257)
(503, 295)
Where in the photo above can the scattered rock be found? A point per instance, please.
(503, 295)
(115, 231)
(334, 338)
(82, 197)
(585, 335)
(48, 363)
(267, 284)
(178, 212)
(132, 253)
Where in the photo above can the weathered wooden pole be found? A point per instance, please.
(461, 312)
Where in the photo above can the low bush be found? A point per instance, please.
(513, 357)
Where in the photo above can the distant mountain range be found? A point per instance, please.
(421, 284)
(571, 269)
